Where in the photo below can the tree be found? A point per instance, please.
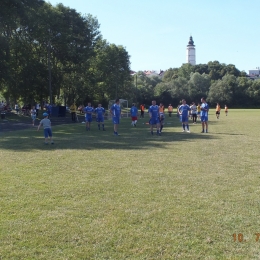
(198, 86)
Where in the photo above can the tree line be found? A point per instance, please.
(217, 82)
(54, 52)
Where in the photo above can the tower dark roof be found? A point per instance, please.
(191, 42)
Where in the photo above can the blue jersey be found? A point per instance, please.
(184, 109)
(202, 111)
(49, 109)
(154, 111)
(88, 110)
(116, 110)
(100, 111)
(134, 111)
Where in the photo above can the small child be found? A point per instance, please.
(46, 123)
(33, 114)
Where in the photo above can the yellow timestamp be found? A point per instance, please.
(240, 237)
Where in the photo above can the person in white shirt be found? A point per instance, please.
(193, 108)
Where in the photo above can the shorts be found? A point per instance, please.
(217, 112)
(33, 117)
(134, 118)
(47, 132)
(100, 119)
(88, 119)
(154, 121)
(204, 119)
(184, 119)
(116, 120)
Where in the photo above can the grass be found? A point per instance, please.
(96, 196)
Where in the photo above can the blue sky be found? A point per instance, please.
(155, 33)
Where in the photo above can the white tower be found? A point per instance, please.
(190, 52)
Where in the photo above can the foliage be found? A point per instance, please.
(37, 38)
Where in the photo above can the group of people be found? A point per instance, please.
(185, 110)
(218, 108)
(156, 114)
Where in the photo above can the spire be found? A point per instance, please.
(191, 42)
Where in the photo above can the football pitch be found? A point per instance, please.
(93, 195)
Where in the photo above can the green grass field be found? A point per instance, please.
(93, 195)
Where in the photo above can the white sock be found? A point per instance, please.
(135, 121)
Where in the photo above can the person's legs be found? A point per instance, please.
(158, 128)
(183, 120)
(46, 135)
(87, 124)
(187, 126)
(116, 123)
(151, 129)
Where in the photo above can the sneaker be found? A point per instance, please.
(188, 131)
(183, 131)
(135, 125)
(206, 131)
(116, 133)
(202, 131)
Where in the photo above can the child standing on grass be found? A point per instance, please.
(33, 114)
(46, 123)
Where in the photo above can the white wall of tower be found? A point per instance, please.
(191, 55)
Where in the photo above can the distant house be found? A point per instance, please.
(254, 73)
(150, 73)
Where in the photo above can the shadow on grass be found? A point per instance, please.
(75, 136)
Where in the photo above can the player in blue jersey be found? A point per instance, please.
(115, 111)
(134, 113)
(100, 112)
(184, 115)
(204, 110)
(154, 117)
(88, 115)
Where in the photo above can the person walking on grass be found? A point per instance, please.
(226, 110)
(204, 115)
(100, 113)
(88, 115)
(46, 123)
(142, 110)
(134, 112)
(184, 115)
(198, 109)
(161, 116)
(170, 109)
(218, 110)
(154, 117)
(73, 111)
(115, 111)
(193, 108)
(33, 114)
